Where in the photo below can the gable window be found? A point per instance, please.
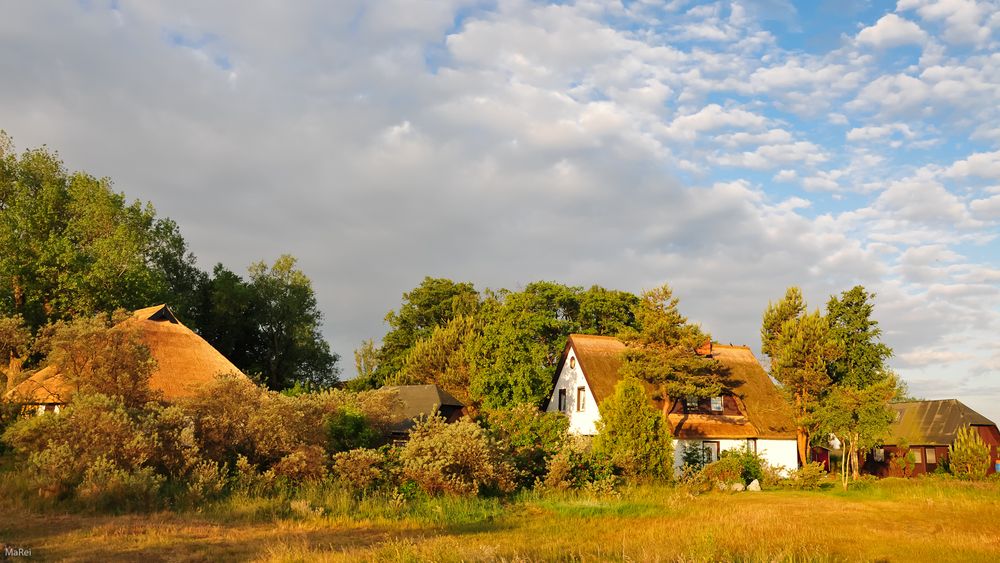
(931, 455)
(581, 395)
(562, 400)
(572, 362)
(716, 404)
(692, 403)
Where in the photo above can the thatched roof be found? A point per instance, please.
(767, 413)
(932, 423)
(184, 361)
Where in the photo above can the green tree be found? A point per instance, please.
(291, 347)
(73, 246)
(792, 306)
(800, 352)
(441, 359)
(433, 303)
(15, 343)
(969, 456)
(523, 334)
(365, 365)
(607, 311)
(632, 435)
(226, 317)
(663, 351)
(864, 358)
(859, 418)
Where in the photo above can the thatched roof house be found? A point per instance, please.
(184, 362)
(750, 412)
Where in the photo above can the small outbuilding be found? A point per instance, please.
(417, 401)
(927, 428)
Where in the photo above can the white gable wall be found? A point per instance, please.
(580, 421)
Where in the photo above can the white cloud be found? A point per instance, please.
(874, 132)
(892, 31)
(964, 21)
(982, 165)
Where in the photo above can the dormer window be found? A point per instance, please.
(717, 404)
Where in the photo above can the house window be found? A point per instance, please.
(572, 362)
(716, 404)
(581, 394)
(931, 456)
(711, 451)
(879, 455)
(918, 455)
(562, 400)
(752, 444)
(692, 403)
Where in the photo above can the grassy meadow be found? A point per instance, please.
(932, 519)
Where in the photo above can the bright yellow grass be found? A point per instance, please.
(931, 520)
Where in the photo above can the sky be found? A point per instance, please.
(730, 149)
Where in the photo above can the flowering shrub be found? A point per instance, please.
(457, 458)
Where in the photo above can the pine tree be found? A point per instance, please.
(632, 435)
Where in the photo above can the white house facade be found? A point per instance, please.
(750, 414)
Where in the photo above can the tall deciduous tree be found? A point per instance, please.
(859, 417)
(292, 349)
(523, 333)
(664, 351)
(433, 303)
(73, 246)
(442, 359)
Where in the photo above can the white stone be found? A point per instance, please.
(754, 485)
(737, 487)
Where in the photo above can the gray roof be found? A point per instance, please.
(932, 423)
(420, 400)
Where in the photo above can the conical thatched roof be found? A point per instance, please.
(184, 361)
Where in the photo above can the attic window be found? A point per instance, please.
(581, 395)
(562, 400)
(716, 404)
(572, 362)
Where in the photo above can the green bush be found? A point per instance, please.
(694, 457)
(348, 430)
(809, 476)
(362, 469)
(969, 456)
(574, 466)
(106, 486)
(457, 458)
(726, 471)
(902, 462)
(527, 438)
(751, 465)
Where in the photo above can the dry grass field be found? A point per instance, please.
(891, 520)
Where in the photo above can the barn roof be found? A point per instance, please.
(932, 423)
(184, 361)
(767, 413)
(420, 400)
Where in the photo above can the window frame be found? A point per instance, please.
(562, 400)
(722, 405)
(715, 446)
(581, 399)
(928, 454)
(918, 455)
